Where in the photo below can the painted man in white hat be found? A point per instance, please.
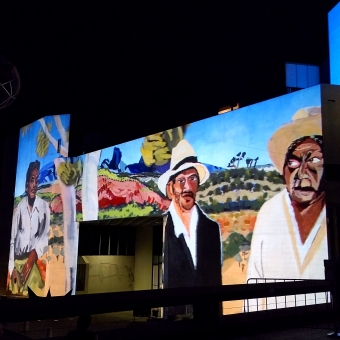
(192, 241)
(289, 238)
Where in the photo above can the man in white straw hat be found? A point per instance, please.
(289, 239)
(192, 241)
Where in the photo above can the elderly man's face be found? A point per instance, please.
(303, 171)
(184, 188)
(32, 185)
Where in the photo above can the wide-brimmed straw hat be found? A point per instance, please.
(305, 122)
(183, 157)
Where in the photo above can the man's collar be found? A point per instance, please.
(179, 227)
(35, 204)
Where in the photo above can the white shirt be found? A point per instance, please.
(276, 247)
(179, 228)
(29, 229)
(278, 253)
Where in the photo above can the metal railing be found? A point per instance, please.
(68, 306)
(300, 299)
(304, 299)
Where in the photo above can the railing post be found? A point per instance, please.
(332, 273)
(26, 326)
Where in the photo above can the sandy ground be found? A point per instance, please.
(234, 273)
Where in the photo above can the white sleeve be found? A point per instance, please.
(15, 221)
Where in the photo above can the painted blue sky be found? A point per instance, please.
(217, 139)
(27, 147)
(130, 151)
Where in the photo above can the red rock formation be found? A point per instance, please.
(112, 193)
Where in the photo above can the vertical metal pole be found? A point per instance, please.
(49, 332)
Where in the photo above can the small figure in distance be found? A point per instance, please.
(82, 331)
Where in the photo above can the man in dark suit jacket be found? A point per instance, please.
(179, 269)
(192, 241)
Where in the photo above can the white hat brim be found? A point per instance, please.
(203, 174)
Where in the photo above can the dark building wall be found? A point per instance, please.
(6, 202)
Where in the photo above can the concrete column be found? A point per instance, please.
(143, 258)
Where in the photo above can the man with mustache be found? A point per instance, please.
(192, 241)
(29, 238)
(289, 240)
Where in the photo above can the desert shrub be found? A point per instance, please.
(204, 186)
(249, 186)
(227, 176)
(279, 180)
(275, 177)
(233, 173)
(213, 178)
(257, 187)
(261, 175)
(225, 188)
(241, 185)
(217, 191)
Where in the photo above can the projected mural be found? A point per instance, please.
(43, 246)
(242, 192)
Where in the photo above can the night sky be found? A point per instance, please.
(127, 69)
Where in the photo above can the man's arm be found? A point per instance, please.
(26, 270)
(13, 235)
(15, 221)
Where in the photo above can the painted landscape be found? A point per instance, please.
(232, 197)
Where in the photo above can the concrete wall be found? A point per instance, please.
(109, 274)
(143, 258)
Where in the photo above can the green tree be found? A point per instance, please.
(231, 246)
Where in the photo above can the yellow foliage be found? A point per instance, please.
(69, 173)
(43, 142)
(156, 149)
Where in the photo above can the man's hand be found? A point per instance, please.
(26, 270)
(16, 277)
